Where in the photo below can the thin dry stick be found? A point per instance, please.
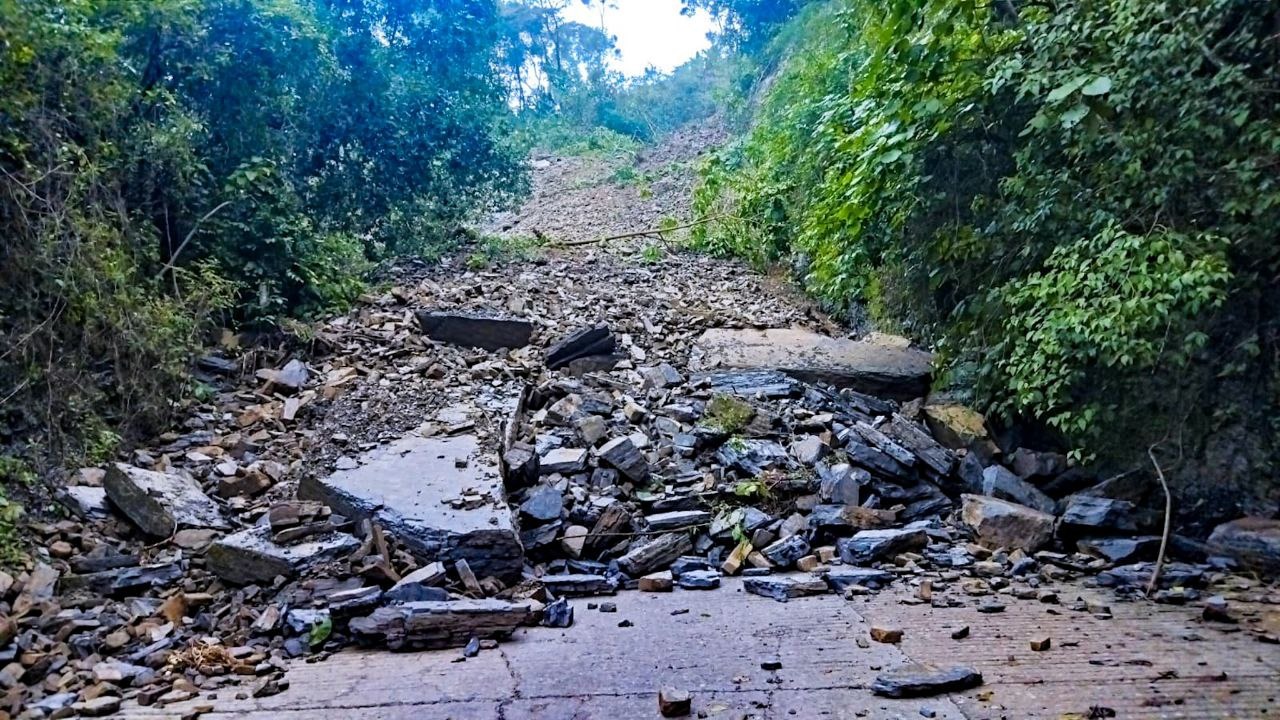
(183, 245)
(1168, 523)
(644, 233)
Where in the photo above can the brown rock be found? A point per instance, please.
(884, 634)
(1041, 644)
(1000, 523)
(673, 702)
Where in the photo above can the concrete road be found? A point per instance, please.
(1148, 661)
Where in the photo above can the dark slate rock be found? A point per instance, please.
(1097, 514)
(123, 581)
(752, 383)
(1121, 549)
(753, 456)
(580, 585)
(690, 563)
(160, 503)
(871, 459)
(558, 614)
(841, 483)
(1254, 541)
(657, 553)
(914, 680)
(677, 520)
(623, 455)
(839, 578)
(999, 482)
(543, 504)
(475, 331)
(415, 592)
(785, 552)
(872, 545)
(587, 342)
(251, 556)
(783, 589)
(1138, 575)
(699, 580)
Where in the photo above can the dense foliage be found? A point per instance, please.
(169, 160)
(1077, 201)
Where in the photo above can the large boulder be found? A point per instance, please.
(438, 496)
(1253, 541)
(1000, 523)
(999, 482)
(880, 368)
(251, 556)
(468, 330)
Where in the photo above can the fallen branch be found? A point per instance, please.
(1168, 523)
(645, 233)
(173, 258)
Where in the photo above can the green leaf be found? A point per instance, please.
(1072, 117)
(1100, 85)
(320, 632)
(1064, 90)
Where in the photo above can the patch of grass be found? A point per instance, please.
(651, 254)
(728, 414)
(13, 472)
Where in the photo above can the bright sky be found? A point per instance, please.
(649, 32)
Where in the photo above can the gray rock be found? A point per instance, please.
(842, 483)
(420, 625)
(1254, 541)
(587, 342)
(871, 545)
(1121, 550)
(917, 680)
(1138, 575)
(660, 377)
(623, 455)
(1029, 464)
(250, 556)
(999, 482)
(999, 523)
(753, 456)
(865, 456)
(563, 461)
(699, 580)
(160, 503)
(783, 589)
(785, 552)
(579, 585)
(545, 503)
(839, 578)
(86, 501)
(410, 486)
(1096, 514)
(591, 429)
(751, 383)
(468, 330)
(123, 581)
(558, 614)
(677, 520)
(808, 450)
(654, 554)
(690, 563)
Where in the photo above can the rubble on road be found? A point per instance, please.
(414, 483)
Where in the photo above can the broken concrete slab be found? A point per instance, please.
(879, 368)
(469, 330)
(160, 503)
(408, 488)
(587, 342)
(250, 556)
(440, 624)
(1000, 523)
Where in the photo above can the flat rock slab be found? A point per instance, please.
(410, 488)
(160, 503)
(250, 556)
(872, 367)
(924, 680)
(451, 623)
(579, 585)
(123, 581)
(783, 589)
(469, 330)
(596, 341)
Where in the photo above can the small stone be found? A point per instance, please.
(98, 707)
(558, 614)
(960, 633)
(608, 607)
(699, 580)
(657, 582)
(575, 538)
(884, 634)
(1041, 644)
(783, 589)
(925, 680)
(990, 607)
(673, 702)
(623, 455)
